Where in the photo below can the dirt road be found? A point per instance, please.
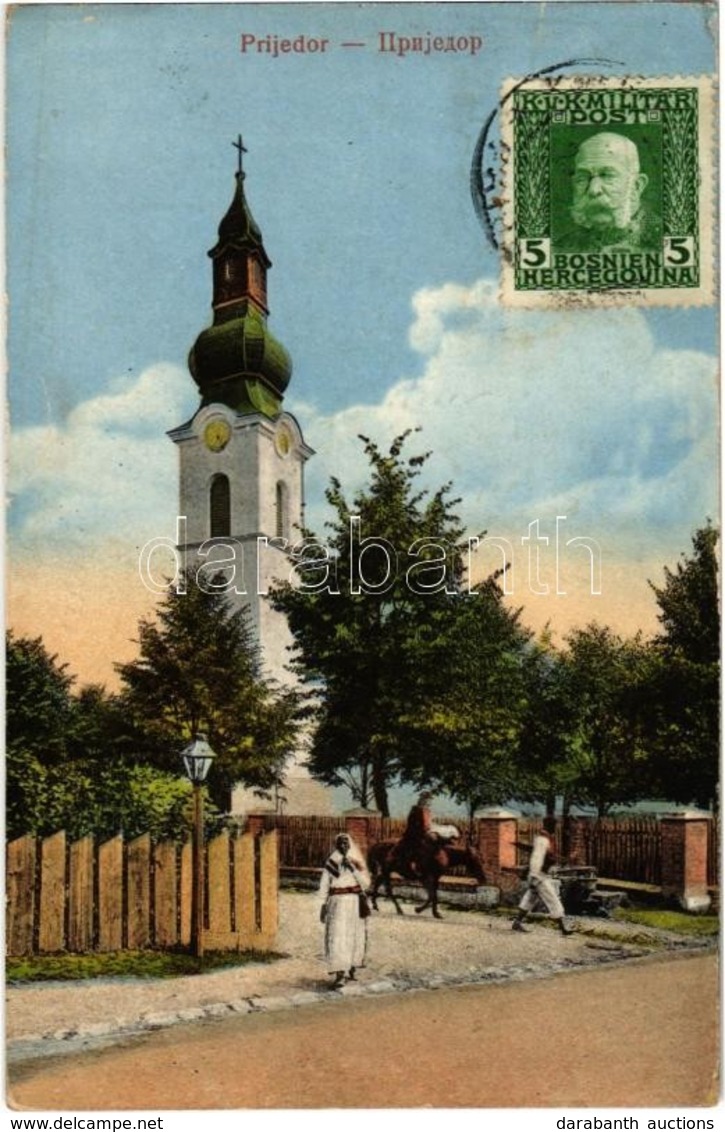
(645, 1034)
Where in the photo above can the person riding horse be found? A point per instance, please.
(422, 838)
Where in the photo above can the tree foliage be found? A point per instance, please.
(39, 710)
(65, 767)
(39, 714)
(466, 740)
(688, 603)
(607, 681)
(547, 769)
(407, 675)
(368, 615)
(89, 762)
(686, 720)
(198, 670)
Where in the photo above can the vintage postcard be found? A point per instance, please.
(362, 574)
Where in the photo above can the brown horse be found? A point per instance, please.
(384, 859)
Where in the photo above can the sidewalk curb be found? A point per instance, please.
(96, 1034)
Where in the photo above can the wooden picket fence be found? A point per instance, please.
(305, 842)
(134, 895)
(623, 848)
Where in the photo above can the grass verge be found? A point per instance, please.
(696, 925)
(670, 920)
(127, 964)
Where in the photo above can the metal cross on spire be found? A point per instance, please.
(241, 148)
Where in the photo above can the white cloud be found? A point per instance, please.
(530, 415)
(106, 474)
(535, 414)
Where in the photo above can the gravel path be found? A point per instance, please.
(404, 952)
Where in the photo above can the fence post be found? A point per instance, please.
(165, 894)
(110, 895)
(245, 913)
(269, 888)
(255, 824)
(138, 877)
(80, 896)
(51, 931)
(20, 916)
(218, 884)
(186, 886)
(684, 859)
(497, 830)
(358, 824)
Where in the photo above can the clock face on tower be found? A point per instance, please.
(217, 434)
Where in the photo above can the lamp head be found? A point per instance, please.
(197, 757)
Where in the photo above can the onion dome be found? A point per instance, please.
(237, 361)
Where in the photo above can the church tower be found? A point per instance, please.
(241, 456)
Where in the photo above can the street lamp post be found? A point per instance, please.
(197, 757)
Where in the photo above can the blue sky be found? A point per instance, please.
(120, 166)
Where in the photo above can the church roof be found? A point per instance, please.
(238, 228)
(237, 361)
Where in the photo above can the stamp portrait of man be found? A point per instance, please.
(608, 193)
(609, 210)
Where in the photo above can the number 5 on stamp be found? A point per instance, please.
(609, 192)
(535, 252)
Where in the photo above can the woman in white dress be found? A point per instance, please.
(344, 911)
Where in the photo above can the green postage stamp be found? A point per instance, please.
(608, 191)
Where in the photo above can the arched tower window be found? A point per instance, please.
(220, 511)
(282, 511)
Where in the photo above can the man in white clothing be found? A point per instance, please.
(539, 886)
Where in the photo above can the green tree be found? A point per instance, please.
(466, 739)
(548, 770)
(66, 763)
(688, 601)
(39, 709)
(198, 670)
(39, 721)
(608, 679)
(367, 617)
(687, 688)
(121, 794)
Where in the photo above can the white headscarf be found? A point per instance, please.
(354, 856)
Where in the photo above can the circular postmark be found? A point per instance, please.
(489, 158)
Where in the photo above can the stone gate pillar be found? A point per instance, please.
(361, 825)
(497, 832)
(684, 859)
